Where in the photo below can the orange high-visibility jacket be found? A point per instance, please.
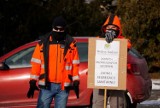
(54, 61)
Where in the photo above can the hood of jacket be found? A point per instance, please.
(113, 20)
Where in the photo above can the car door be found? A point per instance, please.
(14, 82)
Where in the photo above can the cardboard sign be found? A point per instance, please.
(107, 64)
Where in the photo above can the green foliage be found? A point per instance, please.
(141, 23)
(22, 21)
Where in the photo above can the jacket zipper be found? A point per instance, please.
(56, 63)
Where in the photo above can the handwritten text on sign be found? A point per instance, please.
(106, 63)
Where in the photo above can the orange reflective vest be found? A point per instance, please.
(54, 61)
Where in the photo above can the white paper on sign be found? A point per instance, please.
(106, 63)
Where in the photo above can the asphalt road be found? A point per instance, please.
(152, 102)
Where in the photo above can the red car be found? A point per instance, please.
(15, 74)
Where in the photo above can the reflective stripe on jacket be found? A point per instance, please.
(58, 65)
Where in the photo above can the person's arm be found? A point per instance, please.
(75, 72)
(35, 70)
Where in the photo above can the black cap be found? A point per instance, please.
(59, 21)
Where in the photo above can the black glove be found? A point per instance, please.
(76, 83)
(32, 88)
(76, 87)
(68, 88)
(110, 35)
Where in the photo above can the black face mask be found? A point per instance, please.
(59, 36)
(113, 33)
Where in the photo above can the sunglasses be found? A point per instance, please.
(59, 28)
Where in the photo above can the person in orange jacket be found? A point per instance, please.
(55, 66)
(111, 29)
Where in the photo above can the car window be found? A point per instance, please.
(20, 59)
(135, 53)
(83, 51)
